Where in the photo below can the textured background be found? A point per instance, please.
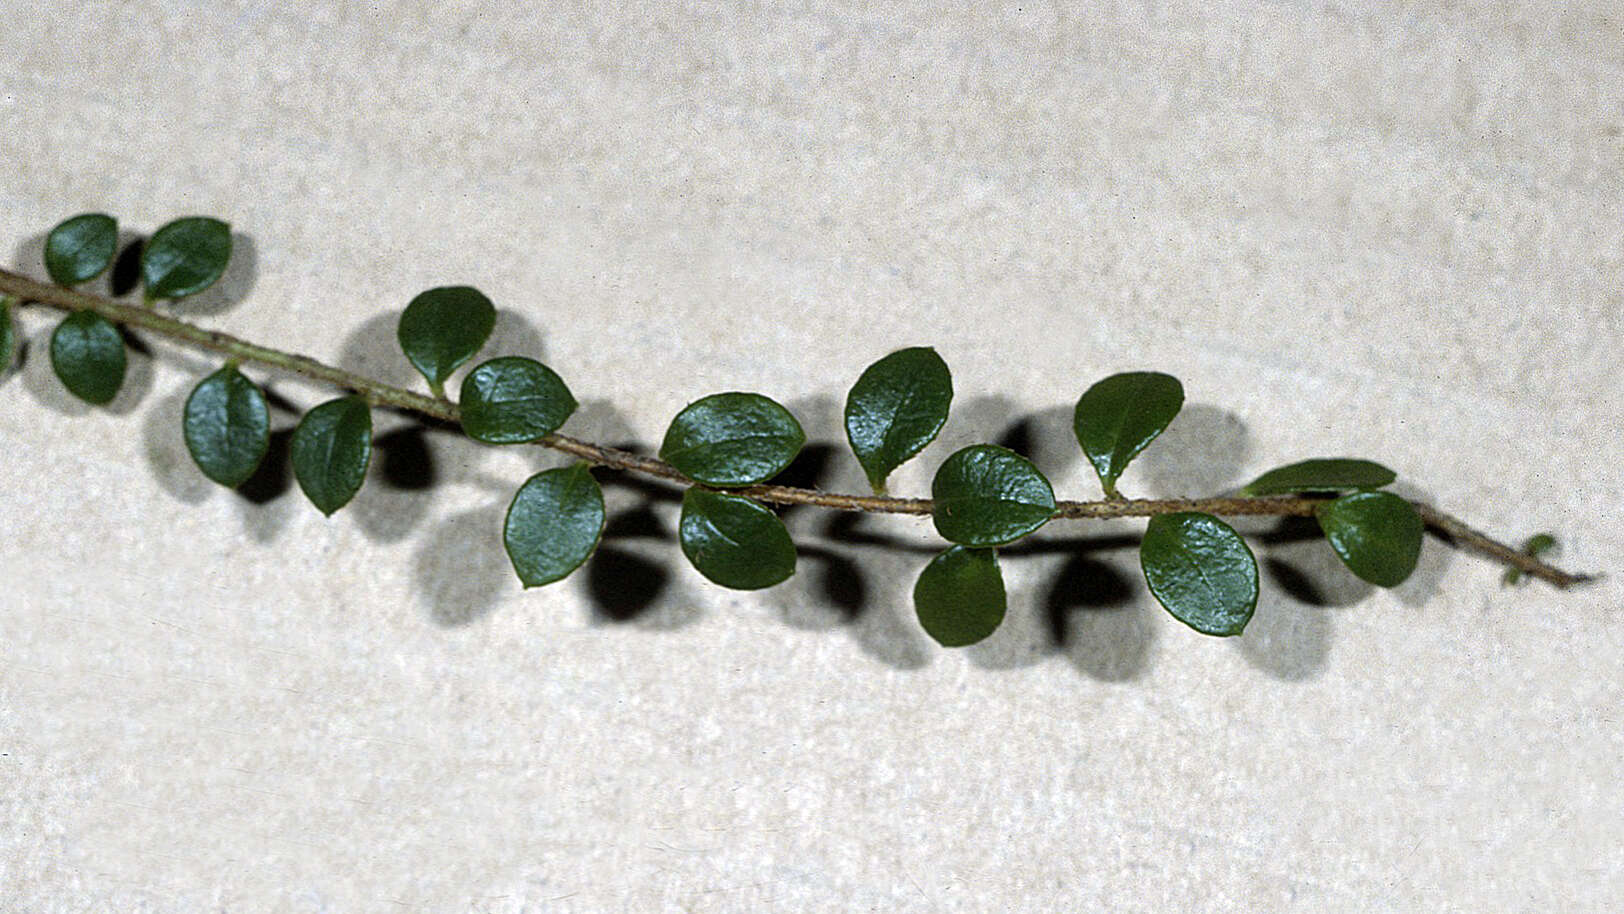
(1389, 232)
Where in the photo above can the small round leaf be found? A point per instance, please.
(959, 597)
(80, 248)
(1201, 571)
(987, 496)
(443, 328)
(1321, 474)
(897, 406)
(1376, 534)
(227, 427)
(553, 524)
(185, 257)
(734, 541)
(512, 399)
(330, 450)
(732, 439)
(1539, 544)
(1535, 546)
(87, 354)
(1117, 417)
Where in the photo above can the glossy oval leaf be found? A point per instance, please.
(897, 406)
(330, 450)
(987, 496)
(959, 597)
(512, 399)
(1376, 534)
(80, 248)
(553, 524)
(443, 328)
(87, 354)
(227, 427)
(732, 439)
(185, 257)
(1201, 571)
(1117, 417)
(1321, 474)
(734, 541)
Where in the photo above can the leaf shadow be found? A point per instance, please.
(1036, 627)
(630, 578)
(460, 568)
(834, 593)
(1097, 620)
(21, 351)
(1437, 554)
(1204, 451)
(227, 292)
(36, 374)
(836, 586)
(624, 582)
(372, 350)
(33, 367)
(265, 510)
(1299, 562)
(1289, 637)
(1052, 576)
(856, 571)
(412, 455)
(1042, 436)
(395, 499)
(125, 274)
(168, 461)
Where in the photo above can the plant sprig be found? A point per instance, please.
(725, 448)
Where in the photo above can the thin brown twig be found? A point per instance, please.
(380, 394)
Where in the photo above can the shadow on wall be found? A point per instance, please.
(1080, 598)
(1204, 451)
(229, 291)
(840, 584)
(124, 277)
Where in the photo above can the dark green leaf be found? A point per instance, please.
(443, 328)
(987, 496)
(1377, 535)
(185, 257)
(87, 353)
(1200, 569)
(512, 399)
(330, 451)
(1117, 417)
(1322, 474)
(553, 524)
(734, 541)
(732, 439)
(896, 408)
(80, 248)
(8, 334)
(227, 427)
(1539, 544)
(1535, 546)
(959, 597)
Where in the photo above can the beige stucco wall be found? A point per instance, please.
(1390, 232)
